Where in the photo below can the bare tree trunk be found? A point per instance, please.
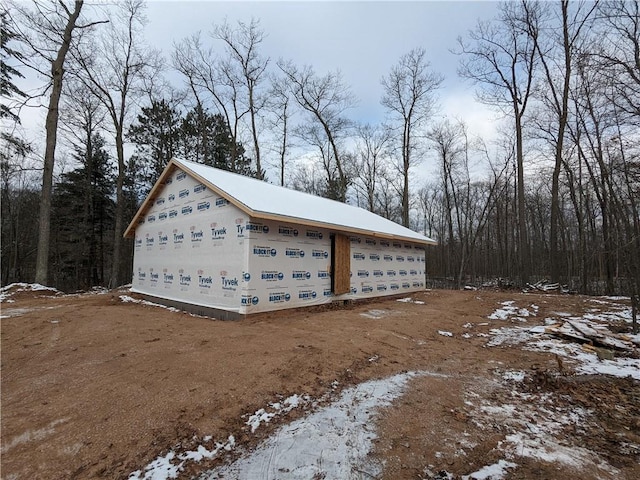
(254, 134)
(114, 281)
(635, 301)
(406, 152)
(523, 242)
(283, 147)
(51, 127)
(561, 107)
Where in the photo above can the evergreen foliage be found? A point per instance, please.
(14, 146)
(7, 72)
(162, 133)
(83, 217)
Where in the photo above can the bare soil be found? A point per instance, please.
(96, 388)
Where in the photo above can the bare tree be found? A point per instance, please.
(242, 46)
(280, 121)
(214, 82)
(372, 147)
(446, 139)
(501, 59)
(388, 198)
(619, 52)
(325, 99)
(47, 31)
(557, 55)
(307, 179)
(620, 57)
(409, 94)
(113, 68)
(468, 204)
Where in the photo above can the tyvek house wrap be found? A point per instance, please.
(290, 266)
(190, 247)
(194, 246)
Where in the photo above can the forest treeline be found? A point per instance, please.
(554, 196)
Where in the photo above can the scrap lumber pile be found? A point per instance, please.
(545, 286)
(594, 337)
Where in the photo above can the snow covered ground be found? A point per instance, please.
(10, 290)
(331, 442)
(605, 312)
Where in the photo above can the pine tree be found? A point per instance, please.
(83, 219)
(206, 138)
(156, 137)
(14, 145)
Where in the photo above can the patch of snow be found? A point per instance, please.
(496, 471)
(277, 408)
(333, 442)
(514, 375)
(588, 362)
(508, 336)
(503, 313)
(8, 291)
(14, 312)
(467, 335)
(375, 314)
(619, 316)
(410, 300)
(468, 325)
(548, 449)
(170, 465)
(444, 333)
(128, 299)
(619, 367)
(510, 312)
(538, 329)
(533, 424)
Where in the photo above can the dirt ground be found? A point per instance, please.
(96, 388)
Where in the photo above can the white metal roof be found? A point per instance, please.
(267, 201)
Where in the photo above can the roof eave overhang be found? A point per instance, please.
(337, 227)
(173, 164)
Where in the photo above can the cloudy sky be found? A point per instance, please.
(362, 39)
